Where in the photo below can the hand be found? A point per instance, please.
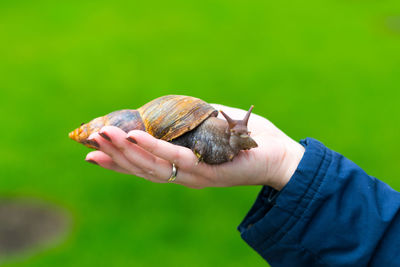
(272, 163)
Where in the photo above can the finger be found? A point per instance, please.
(157, 169)
(115, 154)
(105, 161)
(181, 156)
(149, 164)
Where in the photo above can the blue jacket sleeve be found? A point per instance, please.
(331, 213)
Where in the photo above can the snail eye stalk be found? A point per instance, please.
(238, 123)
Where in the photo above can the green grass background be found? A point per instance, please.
(325, 69)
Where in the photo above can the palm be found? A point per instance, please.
(254, 165)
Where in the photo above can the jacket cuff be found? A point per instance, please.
(275, 213)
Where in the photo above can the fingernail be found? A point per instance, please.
(93, 143)
(105, 136)
(131, 139)
(92, 161)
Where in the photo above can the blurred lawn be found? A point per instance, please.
(324, 69)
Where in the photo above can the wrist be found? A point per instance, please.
(290, 161)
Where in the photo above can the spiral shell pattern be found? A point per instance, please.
(166, 118)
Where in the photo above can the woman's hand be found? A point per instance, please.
(272, 163)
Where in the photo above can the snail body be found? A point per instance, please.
(181, 120)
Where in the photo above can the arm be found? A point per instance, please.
(331, 213)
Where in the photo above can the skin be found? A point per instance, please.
(272, 163)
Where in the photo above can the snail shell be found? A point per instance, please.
(166, 118)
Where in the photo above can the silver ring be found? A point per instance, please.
(173, 174)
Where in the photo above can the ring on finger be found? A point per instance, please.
(173, 174)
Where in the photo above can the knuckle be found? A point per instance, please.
(121, 147)
(149, 165)
(153, 145)
(154, 161)
(152, 175)
(147, 171)
(177, 156)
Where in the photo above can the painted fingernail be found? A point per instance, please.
(92, 161)
(93, 143)
(105, 136)
(131, 139)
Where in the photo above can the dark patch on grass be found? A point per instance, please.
(27, 225)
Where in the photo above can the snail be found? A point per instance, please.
(182, 120)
